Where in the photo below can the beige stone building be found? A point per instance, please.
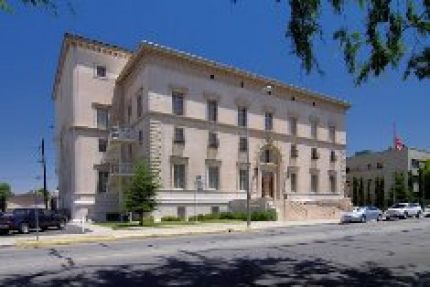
(370, 168)
(191, 118)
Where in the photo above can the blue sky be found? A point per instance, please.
(249, 35)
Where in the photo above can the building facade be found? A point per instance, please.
(196, 123)
(376, 171)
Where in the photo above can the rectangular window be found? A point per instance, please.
(293, 182)
(268, 121)
(333, 156)
(215, 209)
(140, 137)
(179, 175)
(332, 179)
(332, 133)
(102, 118)
(294, 151)
(242, 120)
(101, 71)
(102, 181)
(314, 183)
(243, 179)
(181, 212)
(379, 165)
(102, 145)
(179, 136)
(293, 126)
(243, 144)
(129, 113)
(314, 153)
(130, 151)
(178, 103)
(212, 111)
(415, 163)
(213, 173)
(139, 106)
(213, 140)
(314, 129)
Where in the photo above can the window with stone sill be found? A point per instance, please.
(333, 156)
(293, 126)
(294, 151)
(179, 175)
(102, 118)
(293, 182)
(102, 145)
(314, 129)
(212, 110)
(102, 182)
(314, 154)
(243, 179)
(213, 140)
(100, 71)
(242, 117)
(178, 103)
(332, 133)
(332, 180)
(179, 137)
(314, 183)
(213, 177)
(268, 121)
(140, 137)
(139, 105)
(243, 144)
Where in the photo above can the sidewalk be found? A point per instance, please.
(99, 233)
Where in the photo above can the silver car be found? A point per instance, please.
(362, 214)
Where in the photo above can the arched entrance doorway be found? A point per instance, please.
(269, 163)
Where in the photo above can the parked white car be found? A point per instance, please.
(426, 212)
(404, 210)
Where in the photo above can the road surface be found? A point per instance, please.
(372, 254)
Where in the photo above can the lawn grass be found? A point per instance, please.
(166, 224)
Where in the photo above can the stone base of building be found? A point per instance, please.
(310, 210)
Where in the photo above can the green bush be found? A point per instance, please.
(261, 215)
(264, 215)
(147, 221)
(170, 218)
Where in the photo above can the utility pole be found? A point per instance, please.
(45, 192)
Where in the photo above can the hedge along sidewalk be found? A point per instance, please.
(103, 234)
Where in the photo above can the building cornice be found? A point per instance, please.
(71, 40)
(152, 48)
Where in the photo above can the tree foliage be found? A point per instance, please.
(5, 193)
(400, 191)
(140, 194)
(378, 42)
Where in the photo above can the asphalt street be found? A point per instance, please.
(371, 254)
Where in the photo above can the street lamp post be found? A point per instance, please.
(36, 215)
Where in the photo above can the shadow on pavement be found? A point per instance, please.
(195, 269)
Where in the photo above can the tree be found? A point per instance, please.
(5, 193)
(369, 46)
(360, 193)
(400, 191)
(140, 194)
(426, 182)
(354, 191)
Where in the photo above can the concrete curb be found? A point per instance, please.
(82, 239)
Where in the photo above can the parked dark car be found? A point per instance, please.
(24, 219)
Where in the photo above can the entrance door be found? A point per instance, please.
(267, 184)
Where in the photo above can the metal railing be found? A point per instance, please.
(126, 134)
(122, 169)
